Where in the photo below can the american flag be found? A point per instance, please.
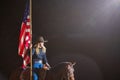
(25, 38)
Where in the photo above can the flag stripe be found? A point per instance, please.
(22, 36)
(25, 38)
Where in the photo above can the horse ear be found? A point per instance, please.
(73, 63)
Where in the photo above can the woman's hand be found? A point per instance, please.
(46, 67)
(30, 46)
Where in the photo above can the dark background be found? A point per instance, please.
(85, 31)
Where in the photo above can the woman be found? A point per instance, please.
(39, 57)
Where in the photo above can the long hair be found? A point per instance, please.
(38, 50)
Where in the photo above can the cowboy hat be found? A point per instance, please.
(41, 39)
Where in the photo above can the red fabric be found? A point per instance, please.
(24, 39)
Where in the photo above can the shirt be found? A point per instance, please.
(39, 56)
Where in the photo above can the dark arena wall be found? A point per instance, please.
(84, 31)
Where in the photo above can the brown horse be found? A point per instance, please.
(62, 71)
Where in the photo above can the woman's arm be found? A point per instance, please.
(46, 61)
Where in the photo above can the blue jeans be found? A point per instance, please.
(36, 66)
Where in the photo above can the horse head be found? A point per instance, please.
(70, 71)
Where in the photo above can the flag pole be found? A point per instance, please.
(31, 39)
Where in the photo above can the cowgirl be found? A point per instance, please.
(39, 57)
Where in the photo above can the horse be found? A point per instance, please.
(61, 71)
(16, 74)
